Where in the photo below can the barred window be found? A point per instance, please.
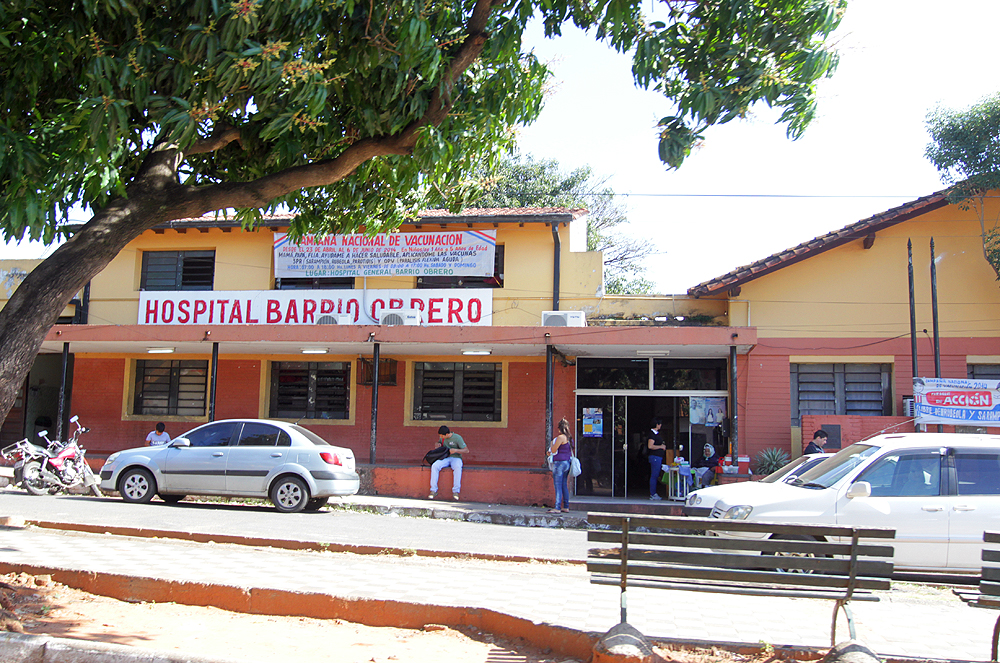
(493, 281)
(178, 270)
(310, 390)
(386, 372)
(861, 389)
(171, 387)
(457, 391)
(983, 371)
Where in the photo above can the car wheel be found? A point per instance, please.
(793, 537)
(316, 503)
(172, 499)
(137, 485)
(289, 494)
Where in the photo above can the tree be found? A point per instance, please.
(965, 149)
(352, 113)
(522, 181)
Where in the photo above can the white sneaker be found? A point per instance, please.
(655, 497)
(431, 496)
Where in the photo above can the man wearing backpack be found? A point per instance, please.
(456, 446)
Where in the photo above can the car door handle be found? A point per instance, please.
(217, 454)
(932, 508)
(964, 507)
(277, 454)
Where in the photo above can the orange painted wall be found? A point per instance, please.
(763, 398)
(98, 384)
(236, 396)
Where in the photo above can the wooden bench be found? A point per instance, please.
(989, 583)
(799, 561)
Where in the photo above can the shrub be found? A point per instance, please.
(769, 460)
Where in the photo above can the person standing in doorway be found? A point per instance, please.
(656, 451)
(561, 450)
(457, 446)
(817, 444)
(159, 436)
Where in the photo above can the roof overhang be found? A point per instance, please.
(260, 340)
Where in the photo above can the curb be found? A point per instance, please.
(22, 648)
(577, 520)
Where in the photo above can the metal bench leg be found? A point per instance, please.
(850, 625)
(996, 636)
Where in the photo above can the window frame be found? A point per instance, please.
(452, 282)
(464, 402)
(316, 371)
(840, 391)
(188, 269)
(143, 379)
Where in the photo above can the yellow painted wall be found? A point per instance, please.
(869, 295)
(12, 272)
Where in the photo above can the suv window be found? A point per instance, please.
(216, 435)
(905, 474)
(978, 471)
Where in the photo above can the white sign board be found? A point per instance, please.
(457, 253)
(304, 307)
(956, 402)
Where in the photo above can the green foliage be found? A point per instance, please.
(769, 460)
(965, 148)
(522, 181)
(88, 89)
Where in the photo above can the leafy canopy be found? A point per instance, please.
(266, 99)
(965, 149)
(522, 181)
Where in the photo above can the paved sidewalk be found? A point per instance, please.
(915, 622)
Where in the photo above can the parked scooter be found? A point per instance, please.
(55, 467)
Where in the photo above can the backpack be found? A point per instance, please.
(437, 453)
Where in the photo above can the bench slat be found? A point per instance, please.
(828, 565)
(991, 555)
(719, 543)
(737, 576)
(990, 573)
(991, 537)
(989, 587)
(706, 524)
(729, 589)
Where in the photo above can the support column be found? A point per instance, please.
(374, 429)
(215, 375)
(734, 436)
(549, 393)
(61, 412)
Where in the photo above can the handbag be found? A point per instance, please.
(436, 454)
(574, 466)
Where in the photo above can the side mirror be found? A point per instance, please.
(859, 489)
(42, 433)
(180, 442)
(74, 419)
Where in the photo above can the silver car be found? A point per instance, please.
(285, 462)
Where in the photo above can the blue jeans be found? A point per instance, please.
(655, 464)
(560, 477)
(455, 463)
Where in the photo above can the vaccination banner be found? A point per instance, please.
(456, 253)
(956, 402)
(593, 422)
(707, 411)
(473, 306)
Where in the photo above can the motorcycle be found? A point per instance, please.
(60, 465)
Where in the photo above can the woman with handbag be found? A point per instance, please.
(561, 453)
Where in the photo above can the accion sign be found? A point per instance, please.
(956, 402)
(473, 306)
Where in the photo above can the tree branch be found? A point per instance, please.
(222, 135)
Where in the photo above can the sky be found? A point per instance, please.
(862, 155)
(748, 191)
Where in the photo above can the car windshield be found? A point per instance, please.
(834, 468)
(785, 470)
(311, 436)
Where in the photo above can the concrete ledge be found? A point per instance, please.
(24, 648)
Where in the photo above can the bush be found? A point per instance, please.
(769, 460)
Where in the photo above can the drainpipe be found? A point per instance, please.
(215, 380)
(61, 412)
(549, 390)
(371, 443)
(557, 246)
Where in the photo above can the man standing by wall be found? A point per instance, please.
(817, 444)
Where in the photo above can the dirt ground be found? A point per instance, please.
(39, 606)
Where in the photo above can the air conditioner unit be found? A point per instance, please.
(564, 319)
(399, 316)
(909, 409)
(335, 319)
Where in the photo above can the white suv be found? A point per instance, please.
(940, 491)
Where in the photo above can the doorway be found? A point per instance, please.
(611, 433)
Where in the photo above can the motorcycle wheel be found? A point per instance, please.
(33, 481)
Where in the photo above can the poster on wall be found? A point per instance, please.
(456, 253)
(956, 402)
(707, 411)
(473, 306)
(593, 422)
